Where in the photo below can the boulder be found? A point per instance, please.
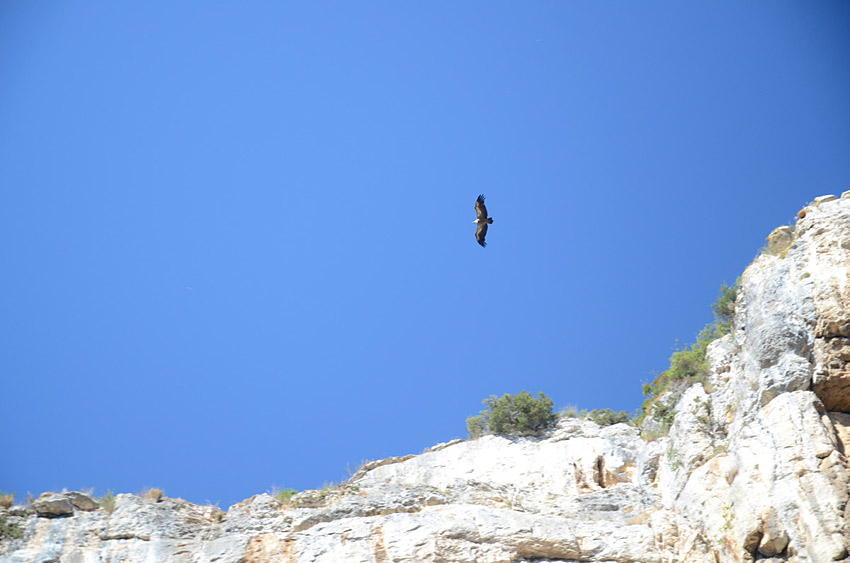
(780, 240)
(82, 501)
(53, 505)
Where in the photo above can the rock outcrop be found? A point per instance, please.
(753, 468)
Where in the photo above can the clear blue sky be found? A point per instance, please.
(236, 240)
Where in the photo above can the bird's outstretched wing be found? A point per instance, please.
(481, 209)
(480, 233)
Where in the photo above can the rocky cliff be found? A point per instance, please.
(753, 468)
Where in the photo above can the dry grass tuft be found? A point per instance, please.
(152, 494)
(107, 501)
(285, 495)
(7, 499)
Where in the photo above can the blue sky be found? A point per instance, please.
(237, 244)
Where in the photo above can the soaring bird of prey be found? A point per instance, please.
(482, 220)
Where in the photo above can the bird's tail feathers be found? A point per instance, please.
(489, 219)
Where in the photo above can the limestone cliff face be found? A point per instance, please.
(754, 466)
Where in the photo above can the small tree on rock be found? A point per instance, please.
(516, 415)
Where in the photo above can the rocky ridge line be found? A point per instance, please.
(754, 467)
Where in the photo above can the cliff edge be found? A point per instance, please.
(753, 468)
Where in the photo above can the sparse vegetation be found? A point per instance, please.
(7, 499)
(7, 530)
(328, 488)
(607, 417)
(570, 411)
(724, 307)
(652, 435)
(688, 364)
(727, 523)
(702, 411)
(673, 459)
(520, 414)
(284, 495)
(107, 501)
(353, 472)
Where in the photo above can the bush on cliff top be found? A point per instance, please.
(607, 417)
(520, 414)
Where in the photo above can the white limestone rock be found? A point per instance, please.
(754, 467)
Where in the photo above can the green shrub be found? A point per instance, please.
(513, 415)
(477, 426)
(724, 307)
(689, 365)
(8, 530)
(285, 495)
(607, 417)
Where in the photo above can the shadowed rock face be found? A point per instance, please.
(754, 466)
